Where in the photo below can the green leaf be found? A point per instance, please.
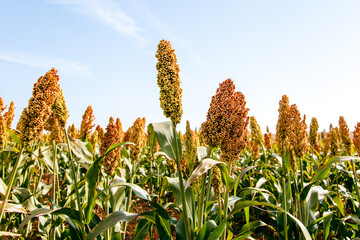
(168, 139)
(323, 171)
(73, 214)
(217, 231)
(206, 230)
(247, 229)
(142, 229)
(203, 167)
(9, 234)
(110, 221)
(92, 180)
(141, 193)
(3, 187)
(13, 136)
(243, 204)
(14, 208)
(162, 220)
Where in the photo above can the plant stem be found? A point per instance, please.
(201, 202)
(73, 171)
(182, 189)
(10, 184)
(284, 191)
(54, 188)
(355, 179)
(107, 209)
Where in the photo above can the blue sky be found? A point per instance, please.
(105, 53)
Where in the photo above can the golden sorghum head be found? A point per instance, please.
(216, 182)
(95, 139)
(256, 135)
(296, 132)
(57, 131)
(87, 123)
(73, 131)
(171, 165)
(21, 120)
(316, 147)
(236, 137)
(168, 80)
(267, 141)
(334, 141)
(100, 131)
(345, 135)
(119, 128)
(111, 137)
(267, 129)
(138, 137)
(314, 128)
(255, 150)
(39, 108)
(282, 123)
(2, 108)
(60, 110)
(356, 138)
(3, 131)
(9, 115)
(326, 146)
(190, 148)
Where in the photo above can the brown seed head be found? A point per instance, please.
(345, 135)
(356, 138)
(9, 115)
(87, 123)
(314, 128)
(39, 108)
(100, 131)
(138, 137)
(168, 80)
(111, 137)
(334, 141)
(256, 135)
(235, 138)
(119, 128)
(296, 132)
(267, 141)
(282, 123)
(190, 147)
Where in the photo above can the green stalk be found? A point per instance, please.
(129, 198)
(182, 191)
(53, 236)
(73, 171)
(284, 192)
(10, 184)
(107, 209)
(226, 201)
(201, 202)
(355, 179)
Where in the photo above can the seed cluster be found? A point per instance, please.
(256, 135)
(111, 137)
(226, 121)
(345, 135)
(356, 138)
(168, 80)
(39, 110)
(87, 123)
(138, 137)
(314, 128)
(282, 123)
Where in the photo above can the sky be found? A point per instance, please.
(105, 50)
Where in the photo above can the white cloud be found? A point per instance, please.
(107, 11)
(46, 62)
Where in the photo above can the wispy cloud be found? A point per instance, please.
(109, 12)
(46, 62)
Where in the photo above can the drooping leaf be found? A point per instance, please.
(2, 233)
(142, 229)
(168, 139)
(13, 136)
(203, 167)
(243, 204)
(15, 208)
(110, 221)
(141, 193)
(206, 229)
(217, 232)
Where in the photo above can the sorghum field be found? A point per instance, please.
(226, 180)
